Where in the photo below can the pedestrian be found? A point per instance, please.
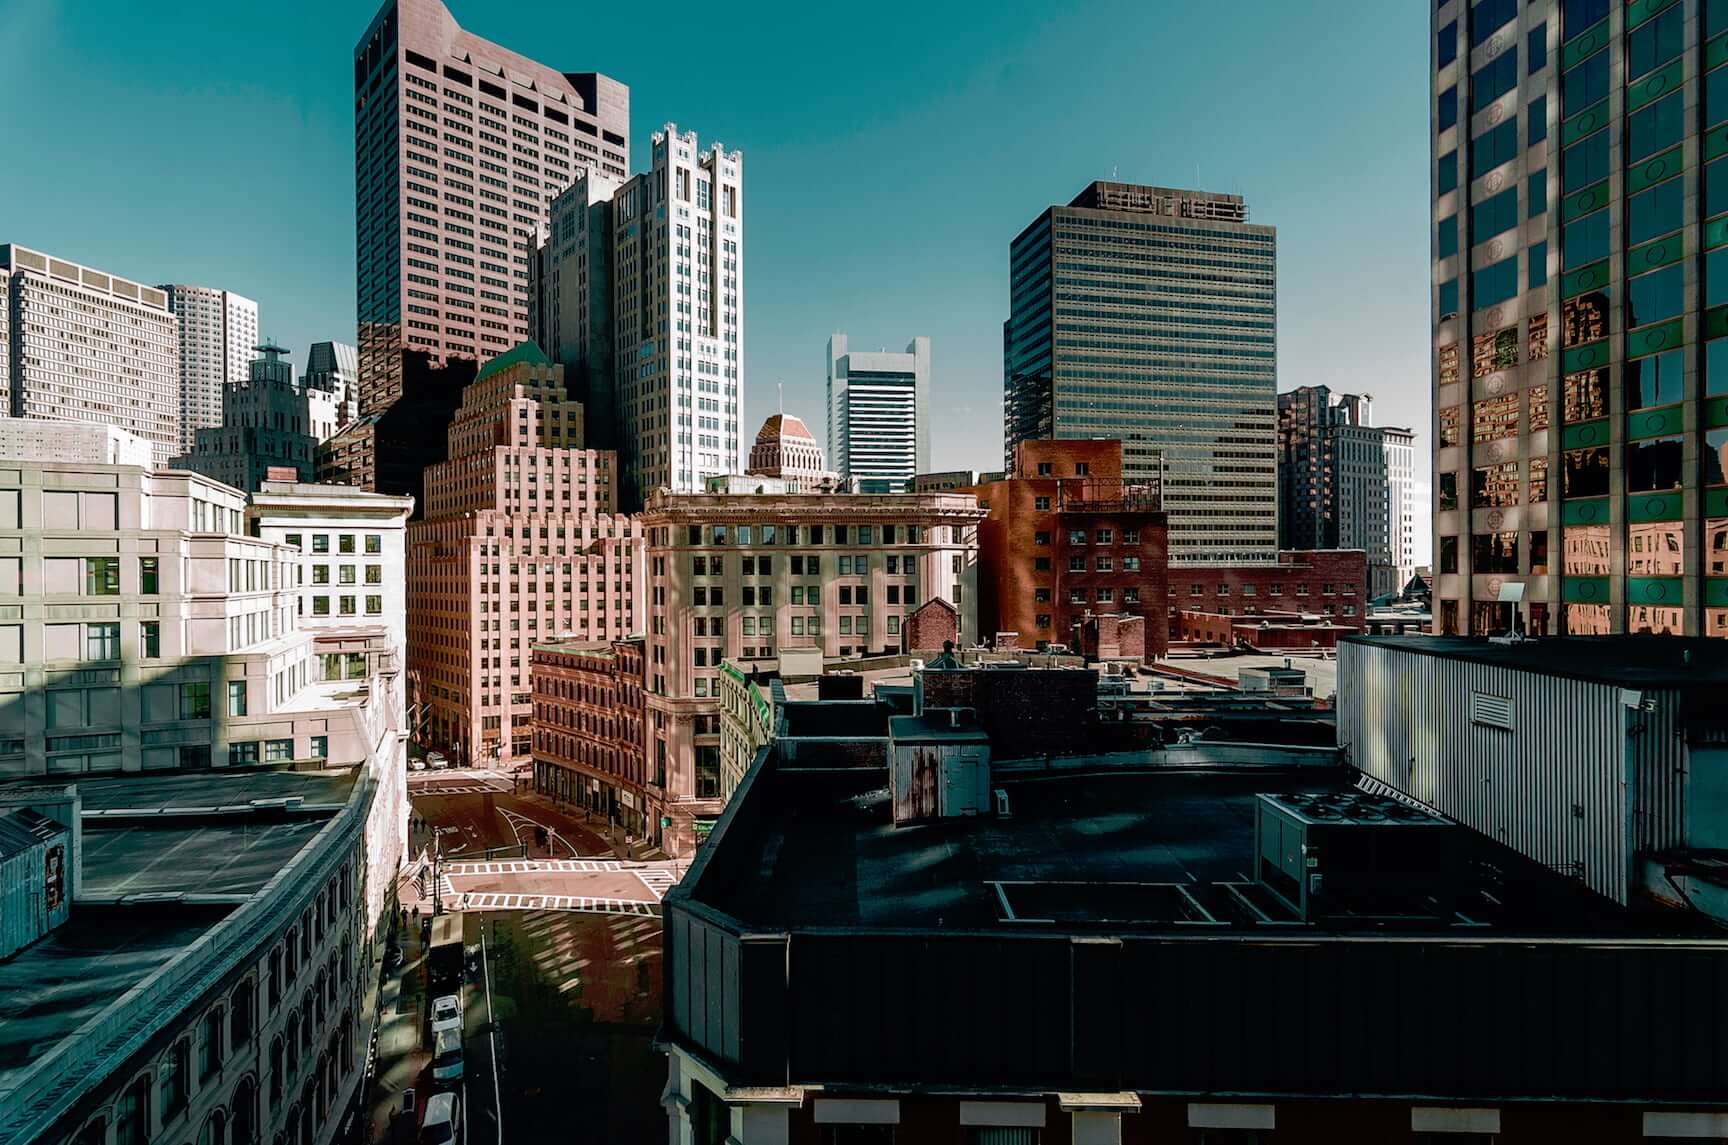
(416, 912)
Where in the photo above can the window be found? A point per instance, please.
(132, 1115)
(1584, 472)
(1655, 296)
(150, 639)
(1493, 79)
(1448, 298)
(1446, 237)
(374, 574)
(194, 702)
(1538, 265)
(1493, 215)
(1654, 465)
(1536, 46)
(1487, 17)
(320, 747)
(171, 1084)
(210, 1044)
(278, 750)
(320, 542)
(1579, 16)
(345, 543)
(1654, 381)
(1497, 282)
(1537, 115)
(236, 697)
(101, 576)
(1447, 44)
(1584, 163)
(243, 754)
(1447, 172)
(1495, 146)
(101, 642)
(1041, 504)
(1653, 43)
(1448, 560)
(320, 574)
(149, 575)
(374, 606)
(1536, 193)
(1655, 212)
(1655, 128)
(1584, 85)
(374, 543)
(1583, 241)
(1716, 277)
(1001, 1135)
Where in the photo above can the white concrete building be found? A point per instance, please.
(218, 330)
(1400, 452)
(349, 562)
(52, 439)
(334, 367)
(678, 316)
(86, 346)
(269, 420)
(879, 414)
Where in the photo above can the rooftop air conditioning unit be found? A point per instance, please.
(1336, 854)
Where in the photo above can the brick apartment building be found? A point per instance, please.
(1327, 585)
(740, 577)
(521, 543)
(588, 723)
(1068, 538)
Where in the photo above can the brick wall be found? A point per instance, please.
(929, 625)
(1329, 583)
(1025, 711)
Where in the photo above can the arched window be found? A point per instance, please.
(215, 1129)
(132, 1116)
(291, 1033)
(95, 1132)
(210, 1044)
(243, 1113)
(240, 1014)
(171, 1082)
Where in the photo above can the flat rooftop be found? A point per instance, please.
(1657, 661)
(1155, 851)
(56, 985)
(217, 858)
(208, 790)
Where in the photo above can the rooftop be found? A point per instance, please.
(781, 425)
(233, 860)
(1655, 661)
(208, 791)
(1151, 851)
(522, 352)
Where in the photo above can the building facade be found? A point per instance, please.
(589, 718)
(218, 334)
(879, 414)
(460, 147)
(570, 300)
(743, 577)
(1068, 537)
(334, 367)
(1344, 482)
(1580, 387)
(521, 542)
(52, 439)
(1184, 374)
(87, 346)
(786, 450)
(269, 421)
(1328, 585)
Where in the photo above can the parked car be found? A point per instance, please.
(446, 1014)
(447, 1058)
(442, 1125)
(417, 764)
(437, 759)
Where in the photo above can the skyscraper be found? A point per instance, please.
(334, 367)
(879, 414)
(218, 332)
(640, 291)
(460, 146)
(1150, 315)
(1336, 485)
(1581, 383)
(269, 421)
(87, 346)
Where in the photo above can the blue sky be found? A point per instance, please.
(891, 153)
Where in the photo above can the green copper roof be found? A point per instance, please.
(523, 352)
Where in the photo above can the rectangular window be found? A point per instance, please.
(1579, 16)
(1654, 465)
(150, 632)
(1447, 44)
(1488, 17)
(1584, 85)
(1655, 211)
(149, 575)
(1538, 269)
(1536, 46)
(374, 606)
(1654, 381)
(1447, 172)
(345, 543)
(194, 701)
(243, 754)
(1584, 163)
(101, 576)
(374, 574)
(374, 543)
(1582, 242)
(236, 697)
(1716, 277)
(1715, 96)
(1655, 128)
(1584, 472)
(1493, 79)
(320, 542)
(1654, 42)
(1493, 215)
(101, 642)
(1446, 237)
(1655, 296)
(1536, 192)
(1537, 114)
(1448, 298)
(1495, 146)
(319, 747)
(1495, 283)
(278, 750)
(1585, 396)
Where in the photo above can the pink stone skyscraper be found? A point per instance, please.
(521, 543)
(460, 145)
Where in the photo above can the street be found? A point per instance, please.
(561, 983)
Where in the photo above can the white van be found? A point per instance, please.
(438, 760)
(447, 1056)
(442, 1126)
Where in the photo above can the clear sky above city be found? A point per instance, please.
(891, 152)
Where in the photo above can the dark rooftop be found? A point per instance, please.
(212, 789)
(215, 858)
(1150, 851)
(835, 718)
(59, 983)
(1657, 661)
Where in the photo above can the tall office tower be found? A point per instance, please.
(678, 316)
(1578, 277)
(5, 343)
(521, 542)
(1335, 483)
(87, 346)
(1400, 447)
(460, 147)
(570, 301)
(269, 421)
(1165, 337)
(218, 333)
(879, 414)
(334, 368)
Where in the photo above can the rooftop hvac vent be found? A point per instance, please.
(1490, 710)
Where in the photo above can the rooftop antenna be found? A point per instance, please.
(1112, 172)
(781, 386)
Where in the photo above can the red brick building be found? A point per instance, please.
(1327, 584)
(589, 746)
(1067, 538)
(929, 626)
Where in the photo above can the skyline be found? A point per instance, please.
(884, 207)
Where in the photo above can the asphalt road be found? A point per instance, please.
(478, 812)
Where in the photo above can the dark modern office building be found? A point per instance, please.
(1149, 315)
(1580, 295)
(460, 145)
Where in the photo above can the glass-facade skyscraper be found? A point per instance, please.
(1580, 295)
(1150, 315)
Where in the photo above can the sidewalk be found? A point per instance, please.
(403, 1059)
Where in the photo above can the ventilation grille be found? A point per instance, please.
(1490, 710)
